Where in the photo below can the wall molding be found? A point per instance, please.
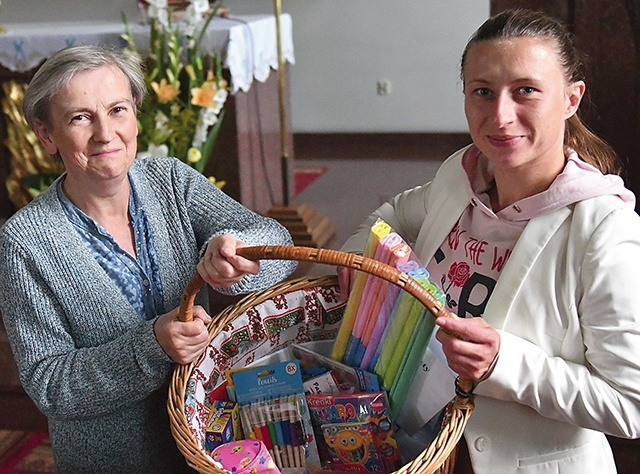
(387, 146)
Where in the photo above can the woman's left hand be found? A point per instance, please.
(221, 267)
(470, 344)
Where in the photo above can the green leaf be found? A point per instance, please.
(207, 148)
(36, 183)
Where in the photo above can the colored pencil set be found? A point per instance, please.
(273, 409)
(385, 330)
(278, 424)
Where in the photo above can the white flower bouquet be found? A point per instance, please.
(183, 111)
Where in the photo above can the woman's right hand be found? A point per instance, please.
(183, 341)
(221, 267)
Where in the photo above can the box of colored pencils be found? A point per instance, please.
(273, 409)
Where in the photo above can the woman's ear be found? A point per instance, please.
(42, 131)
(575, 91)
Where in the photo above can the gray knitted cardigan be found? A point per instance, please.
(85, 357)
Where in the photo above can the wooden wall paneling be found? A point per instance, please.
(17, 411)
(604, 32)
(248, 153)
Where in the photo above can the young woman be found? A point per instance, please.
(545, 246)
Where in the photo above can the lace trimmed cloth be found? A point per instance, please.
(248, 44)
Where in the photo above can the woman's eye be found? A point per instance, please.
(482, 91)
(527, 90)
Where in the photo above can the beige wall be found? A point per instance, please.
(16, 11)
(343, 48)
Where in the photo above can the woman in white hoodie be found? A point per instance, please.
(534, 238)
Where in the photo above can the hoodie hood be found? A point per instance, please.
(577, 182)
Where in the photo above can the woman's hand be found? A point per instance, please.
(221, 267)
(470, 344)
(183, 341)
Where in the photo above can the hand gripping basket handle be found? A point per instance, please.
(329, 257)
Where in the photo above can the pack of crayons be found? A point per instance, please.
(273, 409)
(355, 432)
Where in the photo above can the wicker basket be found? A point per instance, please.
(189, 379)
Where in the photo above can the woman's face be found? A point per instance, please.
(517, 101)
(92, 126)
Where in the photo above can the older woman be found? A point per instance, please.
(94, 268)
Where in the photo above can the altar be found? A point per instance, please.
(247, 154)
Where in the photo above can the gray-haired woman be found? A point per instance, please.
(94, 268)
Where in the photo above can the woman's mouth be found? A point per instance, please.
(104, 153)
(504, 140)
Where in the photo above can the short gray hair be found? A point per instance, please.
(59, 69)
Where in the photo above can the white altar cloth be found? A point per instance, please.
(248, 44)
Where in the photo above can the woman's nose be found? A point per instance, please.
(103, 130)
(504, 112)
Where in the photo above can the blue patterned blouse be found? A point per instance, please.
(138, 279)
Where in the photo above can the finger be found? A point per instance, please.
(201, 314)
(244, 265)
(216, 270)
(232, 265)
(469, 358)
(227, 245)
(206, 271)
(469, 329)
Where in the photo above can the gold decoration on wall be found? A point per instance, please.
(28, 160)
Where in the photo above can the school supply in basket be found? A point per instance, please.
(323, 382)
(392, 250)
(273, 409)
(245, 457)
(355, 432)
(403, 330)
(382, 327)
(392, 329)
(223, 425)
(359, 380)
(379, 230)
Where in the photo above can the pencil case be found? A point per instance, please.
(246, 456)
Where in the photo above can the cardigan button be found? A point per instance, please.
(482, 444)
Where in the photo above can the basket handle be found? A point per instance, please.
(329, 257)
(326, 256)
